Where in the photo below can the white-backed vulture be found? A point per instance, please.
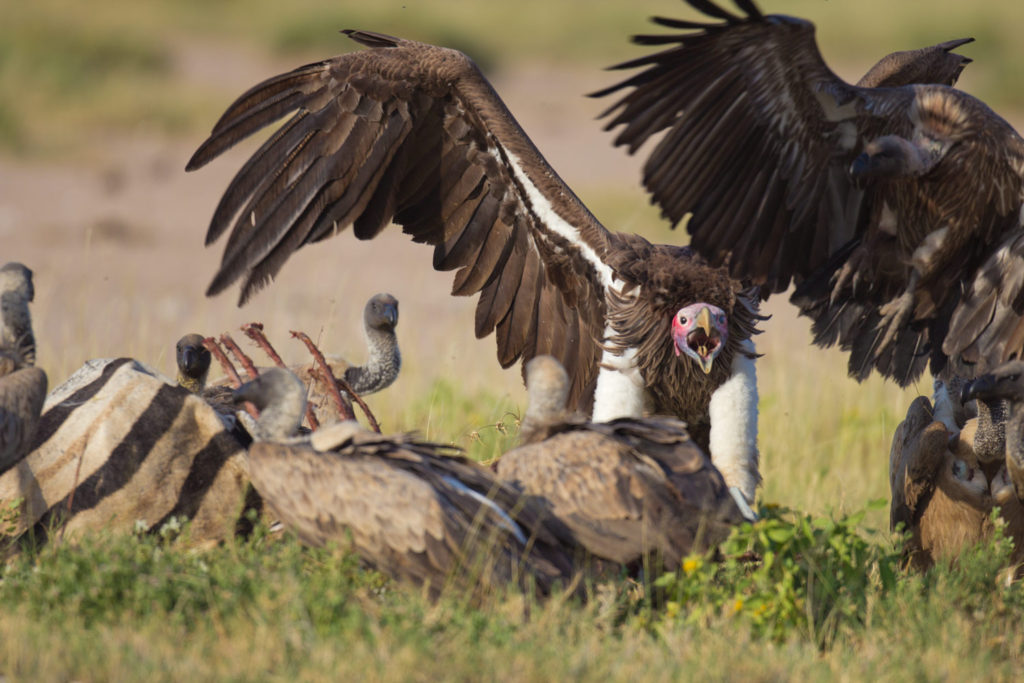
(627, 488)
(22, 386)
(16, 293)
(22, 393)
(413, 133)
(415, 510)
(896, 211)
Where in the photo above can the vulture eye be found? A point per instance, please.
(682, 320)
(960, 469)
(721, 318)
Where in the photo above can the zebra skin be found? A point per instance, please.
(118, 448)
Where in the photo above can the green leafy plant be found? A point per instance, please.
(789, 571)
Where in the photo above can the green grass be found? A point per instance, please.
(829, 603)
(70, 71)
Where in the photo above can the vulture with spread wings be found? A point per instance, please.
(413, 133)
(896, 211)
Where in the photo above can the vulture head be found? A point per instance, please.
(892, 156)
(381, 313)
(17, 279)
(1005, 382)
(700, 331)
(280, 397)
(193, 362)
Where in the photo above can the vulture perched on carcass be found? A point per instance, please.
(941, 497)
(415, 510)
(629, 488)
(413, 133)
(22, 386)
(896, 211)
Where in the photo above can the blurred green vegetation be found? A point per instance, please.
(71, 70)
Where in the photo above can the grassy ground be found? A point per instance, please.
(125, 277)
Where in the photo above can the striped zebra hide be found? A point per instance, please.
(119, 448)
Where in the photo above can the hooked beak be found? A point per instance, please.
(705, 359)
(698, 336)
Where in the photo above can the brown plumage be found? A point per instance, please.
(16, 293)
(414, 133)
(896, 211)
(627, 488)
(933, 64)
(22, 393)
(941, 499)
(1006, 383)
(413, 509)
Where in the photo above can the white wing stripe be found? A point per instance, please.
(557, 224)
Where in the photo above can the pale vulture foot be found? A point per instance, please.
(741, 502)
(895, 315)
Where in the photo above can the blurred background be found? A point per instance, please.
(102, 103)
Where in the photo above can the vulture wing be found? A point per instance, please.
(918, 450)
(412, 512)
(759, 133)
(627, 488)
(414, 134)
(759, 150)
(22, 393)
(933, 64)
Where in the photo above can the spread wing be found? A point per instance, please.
(760, 140)
(22, 394)
(758, 135)
(414, 134)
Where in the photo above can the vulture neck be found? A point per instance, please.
(620, 392)
(990, 442)
(620, 388)
(193, 384)
(382, 367)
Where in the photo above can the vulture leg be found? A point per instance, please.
(896, 314)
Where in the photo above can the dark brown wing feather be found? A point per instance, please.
(415, 134)
(22, 394)
(753, 89)
(405, 507)
(627, 488)
(933, 64)
(918, 450)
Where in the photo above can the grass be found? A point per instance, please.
(69, 68)
(270, 609)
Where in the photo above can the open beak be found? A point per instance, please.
(701, 341)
